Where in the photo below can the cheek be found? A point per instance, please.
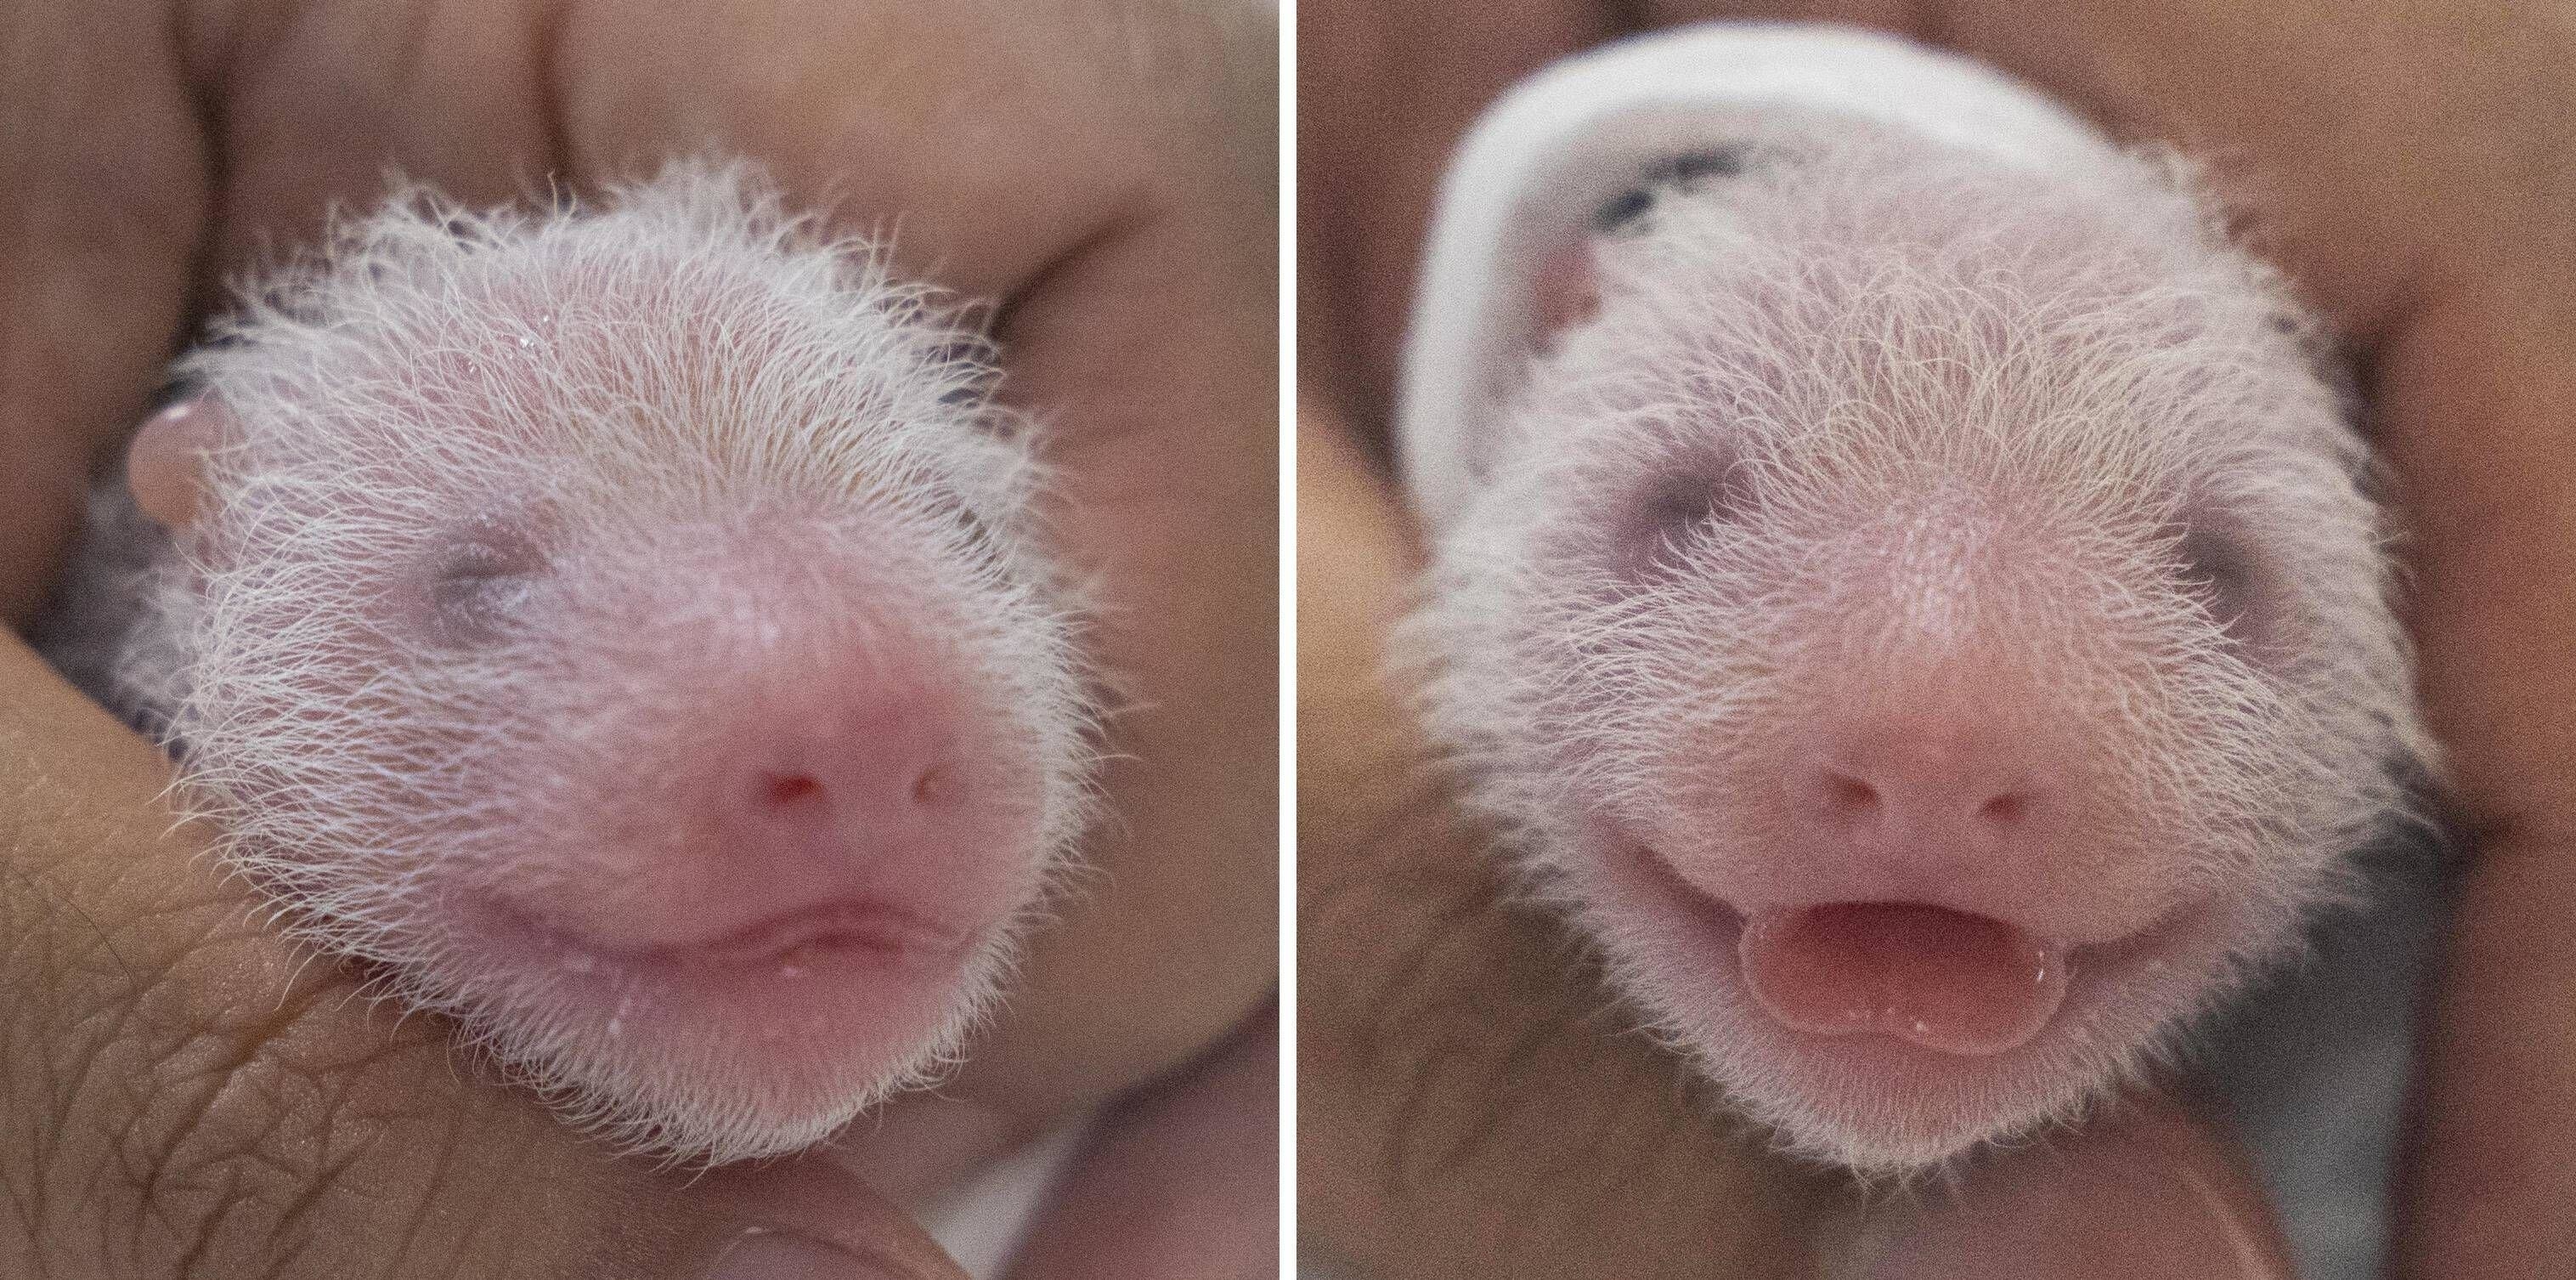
(1630, 639)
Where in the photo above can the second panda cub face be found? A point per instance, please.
(1923, 616)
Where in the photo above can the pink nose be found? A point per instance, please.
(1942, 806)
(1906, 792)
(870, 781)
(832, 812)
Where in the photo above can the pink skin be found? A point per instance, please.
(1917, 889)
(162, 464)
(797, 882)
(811, 871)
(1920, 853)
(1932, 637)
(624, 631)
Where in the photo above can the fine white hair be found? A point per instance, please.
(681, 365)
(1952, 407)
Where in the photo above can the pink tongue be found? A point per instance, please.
(1942, 979)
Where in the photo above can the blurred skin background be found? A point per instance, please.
(177, 1098)
(181, 1094)
(1466, 1106)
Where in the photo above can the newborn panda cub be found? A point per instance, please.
(1901, 580)
(622, 629)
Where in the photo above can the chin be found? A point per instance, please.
(734, 1054)
(1878, 1104)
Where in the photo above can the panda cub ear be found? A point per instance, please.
(1566, 287)
(165, 465)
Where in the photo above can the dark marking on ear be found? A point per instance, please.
(966, 352)
(1622, 211)
(1684, 173)
(1692, 167)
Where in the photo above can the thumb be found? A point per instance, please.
(2143, 1192)
(184, 1092)
(803, 1219)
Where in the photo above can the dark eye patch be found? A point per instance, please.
(1671, 511)
(2216, 568)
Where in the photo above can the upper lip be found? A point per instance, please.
(2089, 953)
(850, 923)
(2116, 936)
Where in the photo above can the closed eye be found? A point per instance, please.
(480, 578)
(1672, 513)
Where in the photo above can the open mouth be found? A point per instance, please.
(1950, 981)
(1917, 978)
(1876, 1056)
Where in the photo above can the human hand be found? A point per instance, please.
(1118, 203)
(2395, 165)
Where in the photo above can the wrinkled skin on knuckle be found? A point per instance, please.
(1458, 1025)
(183, 1118)
(274, 1141)
(182, 1093)
(1468, 1070)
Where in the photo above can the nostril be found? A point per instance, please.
(1847, 794)
(790, 790)
(936, 785)
(1843, 799)
(2007, 808)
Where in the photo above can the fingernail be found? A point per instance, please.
(765, 1253)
